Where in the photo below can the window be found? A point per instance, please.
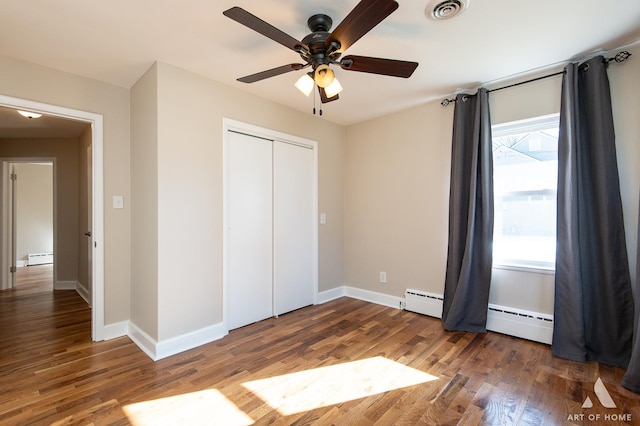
(525, 175)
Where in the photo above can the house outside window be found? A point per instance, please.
(525, 160)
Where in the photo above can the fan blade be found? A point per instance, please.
(324, 98)
(240, 15)
(270, 73)
(392, 67)
(366, 15)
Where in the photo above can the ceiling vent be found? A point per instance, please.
(439, 10)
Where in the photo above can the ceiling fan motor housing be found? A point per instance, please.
(320, 24)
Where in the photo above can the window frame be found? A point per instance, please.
(518, 127)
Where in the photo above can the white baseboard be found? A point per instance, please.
(159, 350)
(191, 340)
(145, 342)
(83, 291)
(65, 285)
(329, 295)
(374, 297)
(360, 294)
(113, 331)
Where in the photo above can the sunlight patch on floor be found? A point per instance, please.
(201, 408)
(324, 386)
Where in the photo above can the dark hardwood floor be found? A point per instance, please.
(346, 362)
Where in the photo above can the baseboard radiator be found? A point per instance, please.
(528, 325)
(423, 302)
(39, 258)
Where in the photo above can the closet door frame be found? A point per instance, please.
(230, 125)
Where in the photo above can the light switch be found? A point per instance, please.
(323, 218)
(118, 202)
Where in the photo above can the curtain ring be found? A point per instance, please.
(585, 66)
(465, 98)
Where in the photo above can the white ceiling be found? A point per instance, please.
(116, 41)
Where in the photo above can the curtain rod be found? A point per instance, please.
(619, 58)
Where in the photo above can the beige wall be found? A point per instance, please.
(65, 153)
(144, 203)
(396, 208)
(34, 215)
(29, 81)
(188, 132)
(397, 180)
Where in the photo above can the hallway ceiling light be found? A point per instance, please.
(29, 114)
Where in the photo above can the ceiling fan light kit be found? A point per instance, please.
(333, 89)
(305, 84)
(322, 48)
(324, 76)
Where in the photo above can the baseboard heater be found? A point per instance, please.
(39, 258)
(528, 325)
(423, 302)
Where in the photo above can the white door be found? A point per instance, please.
(293, 219)
(250, 208)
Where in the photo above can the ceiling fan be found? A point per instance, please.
(323, 48)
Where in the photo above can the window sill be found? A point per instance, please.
(532, 267)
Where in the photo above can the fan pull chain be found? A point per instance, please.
(314, 105)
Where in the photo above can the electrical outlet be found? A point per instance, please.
(383, 277)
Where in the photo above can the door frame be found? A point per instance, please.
(97, 183)
(264, 133)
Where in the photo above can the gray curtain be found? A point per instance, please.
(593, 312)
(631, 379)
(469, 258)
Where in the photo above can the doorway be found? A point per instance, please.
(95, 121)
(28, 216)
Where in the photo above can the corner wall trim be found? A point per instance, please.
(145, 342)
(113, 331)
(166, 348)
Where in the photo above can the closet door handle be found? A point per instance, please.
(88, 234)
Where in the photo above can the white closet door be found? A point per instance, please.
(250, 208)
(293, 227)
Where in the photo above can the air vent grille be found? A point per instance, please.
(445, 9)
